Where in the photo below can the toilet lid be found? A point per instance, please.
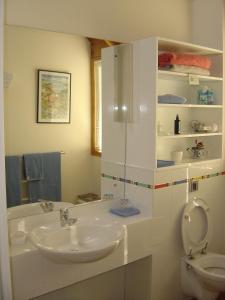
(196, 226)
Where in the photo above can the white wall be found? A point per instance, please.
(208, 23)
(116, 20)
(27, 50)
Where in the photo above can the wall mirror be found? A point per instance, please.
(26, 51)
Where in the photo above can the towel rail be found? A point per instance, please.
(25, 199)
(21, 155)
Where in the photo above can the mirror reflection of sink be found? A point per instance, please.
(77, 243)
(33, 209)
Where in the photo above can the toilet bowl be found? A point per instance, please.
(202, 273)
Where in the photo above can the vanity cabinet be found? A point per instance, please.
(153, 122)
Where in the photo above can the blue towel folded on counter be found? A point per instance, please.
(125, 211)
(164, 163)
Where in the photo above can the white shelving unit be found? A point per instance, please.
(170, 82)
(144, 144)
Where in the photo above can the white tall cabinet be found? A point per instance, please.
(132, 145)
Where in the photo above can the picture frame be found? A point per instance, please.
(53, 97)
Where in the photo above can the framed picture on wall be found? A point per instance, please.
(54, 97)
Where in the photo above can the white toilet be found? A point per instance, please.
(202, 273)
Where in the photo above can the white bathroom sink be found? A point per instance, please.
(31, 209)
(76, 243)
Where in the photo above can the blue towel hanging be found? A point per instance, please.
(52, 176)
(33, 166)
(45, 182)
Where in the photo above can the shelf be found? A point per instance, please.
(189, 162)
(190, 135)
(189, 105)
(185, 76)
(177, 46)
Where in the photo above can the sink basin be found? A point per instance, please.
(31, 209)
(76, 243)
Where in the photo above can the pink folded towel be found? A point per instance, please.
(171, 58)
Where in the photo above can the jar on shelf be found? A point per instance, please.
(205, 96)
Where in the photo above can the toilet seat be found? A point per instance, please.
(196, 226)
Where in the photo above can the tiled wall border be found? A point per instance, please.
(161, 185)
(147, 186)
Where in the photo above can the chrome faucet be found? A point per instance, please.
(64, 218)
(46, 205)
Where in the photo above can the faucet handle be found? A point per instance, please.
(64, 213)
(46, 205)
(64, 218)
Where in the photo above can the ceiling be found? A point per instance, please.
(118, 20)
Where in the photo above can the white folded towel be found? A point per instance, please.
(189, 69)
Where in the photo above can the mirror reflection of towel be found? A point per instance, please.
(33, 166)
(13, 180)
(52, 176)
(45, 182)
